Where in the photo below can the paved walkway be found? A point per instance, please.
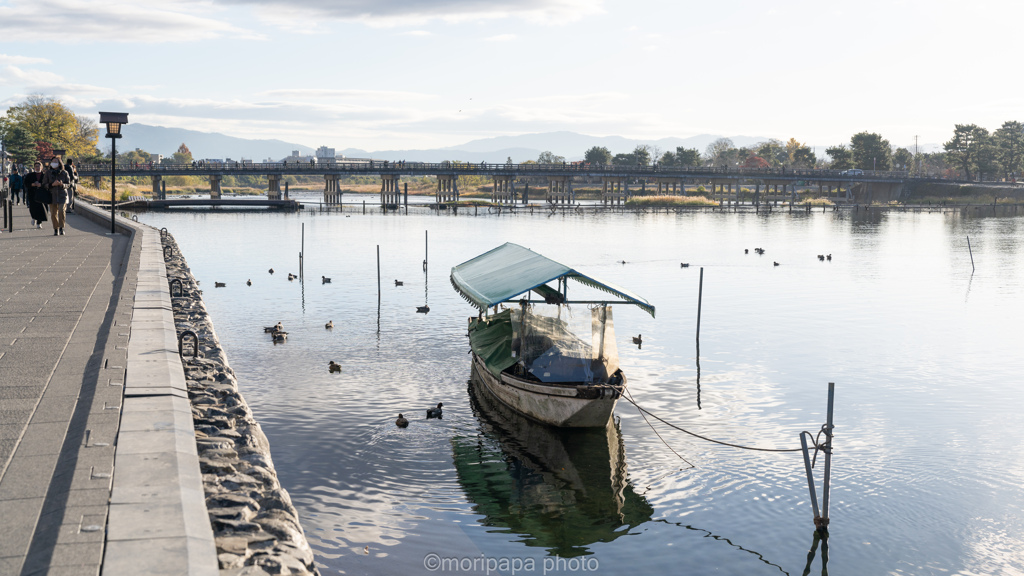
(64, 314)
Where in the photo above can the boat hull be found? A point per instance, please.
(560, 406)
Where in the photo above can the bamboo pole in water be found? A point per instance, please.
(971, 252)
(378, 275)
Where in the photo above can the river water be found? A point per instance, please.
(928, 467)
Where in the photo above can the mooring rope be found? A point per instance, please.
(663, 441)
(642, 410)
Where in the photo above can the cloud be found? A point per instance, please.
(324, 93)
(21, 60)
(501, 38)
(147, 21)
(417, 12)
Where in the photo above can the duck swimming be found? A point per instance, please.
(279, 335)
(219, 284)
(271, 270)
(325, 280)
(329, 325)
(401, 422)
(423, 309)
(638, 340)
(399, 283)
(435, 412)
(248, 282)
(275, 328)
(333, 366)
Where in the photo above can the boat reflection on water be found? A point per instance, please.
(560, 488)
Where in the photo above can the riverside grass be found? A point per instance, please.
(665, 201)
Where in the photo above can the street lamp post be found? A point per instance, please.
(113, 120)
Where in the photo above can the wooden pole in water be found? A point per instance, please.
(700, 298)
(378, 276)
(426, 248)
(302, 254)
(971, 252)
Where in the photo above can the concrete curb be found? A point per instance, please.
(158, 522)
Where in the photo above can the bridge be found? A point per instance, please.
(615, 180)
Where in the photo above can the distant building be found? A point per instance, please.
(295, 158)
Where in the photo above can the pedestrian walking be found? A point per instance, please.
(73, 189)
(16, 185)
(57, 181)
(36, 195)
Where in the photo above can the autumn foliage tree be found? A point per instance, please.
(46, 119)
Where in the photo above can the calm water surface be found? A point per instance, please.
(928, 472)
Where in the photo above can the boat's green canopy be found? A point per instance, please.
(510, 270)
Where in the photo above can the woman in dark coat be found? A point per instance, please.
(37, 195)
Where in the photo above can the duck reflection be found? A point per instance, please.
(561, 489)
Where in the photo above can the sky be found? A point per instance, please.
(415, 74)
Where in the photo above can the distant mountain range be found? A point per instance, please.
(571, 145)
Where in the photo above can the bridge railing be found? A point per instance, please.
(457, 168)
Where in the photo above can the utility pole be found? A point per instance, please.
(917, 155)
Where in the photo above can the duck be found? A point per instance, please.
(829, 257)
(219, 284)
(423, 309)
(401, 422)
(775, 263)
(279, 335)
(329, 325)
(821, 257)
(399, 283)
(248, 282)
(638, 340)
(333, 366)
(435, 412)
(623, 262)
(291, 276)
(271, 270)
(746, 251)
(684, 264)
(325, 280)
(275, 328)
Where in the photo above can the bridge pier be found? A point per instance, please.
(273, 186)
(389, 190)
(670, 186)
(332, 195)
(612, 191)
(560, 190)
(156, 178)
(504, 190)
(97, 182)
(447, 188)
(215, 186)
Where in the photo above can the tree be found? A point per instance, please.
(48, 120)
(688, 157)
(720, 152)
(903, 159)
(871, 151)
(182, 156)
(1009, 141)
(20, 145)
(799, 155)
(842, 158)
(966, 150)
(624, 159)
(668, 159)
(642, 154)
(598, 155)
(548, 157)
(774, 152)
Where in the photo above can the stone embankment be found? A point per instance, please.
(255, 525)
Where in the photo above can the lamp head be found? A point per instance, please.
(113, 120)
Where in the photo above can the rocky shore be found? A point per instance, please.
(255, 525)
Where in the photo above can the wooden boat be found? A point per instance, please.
(538, 364)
